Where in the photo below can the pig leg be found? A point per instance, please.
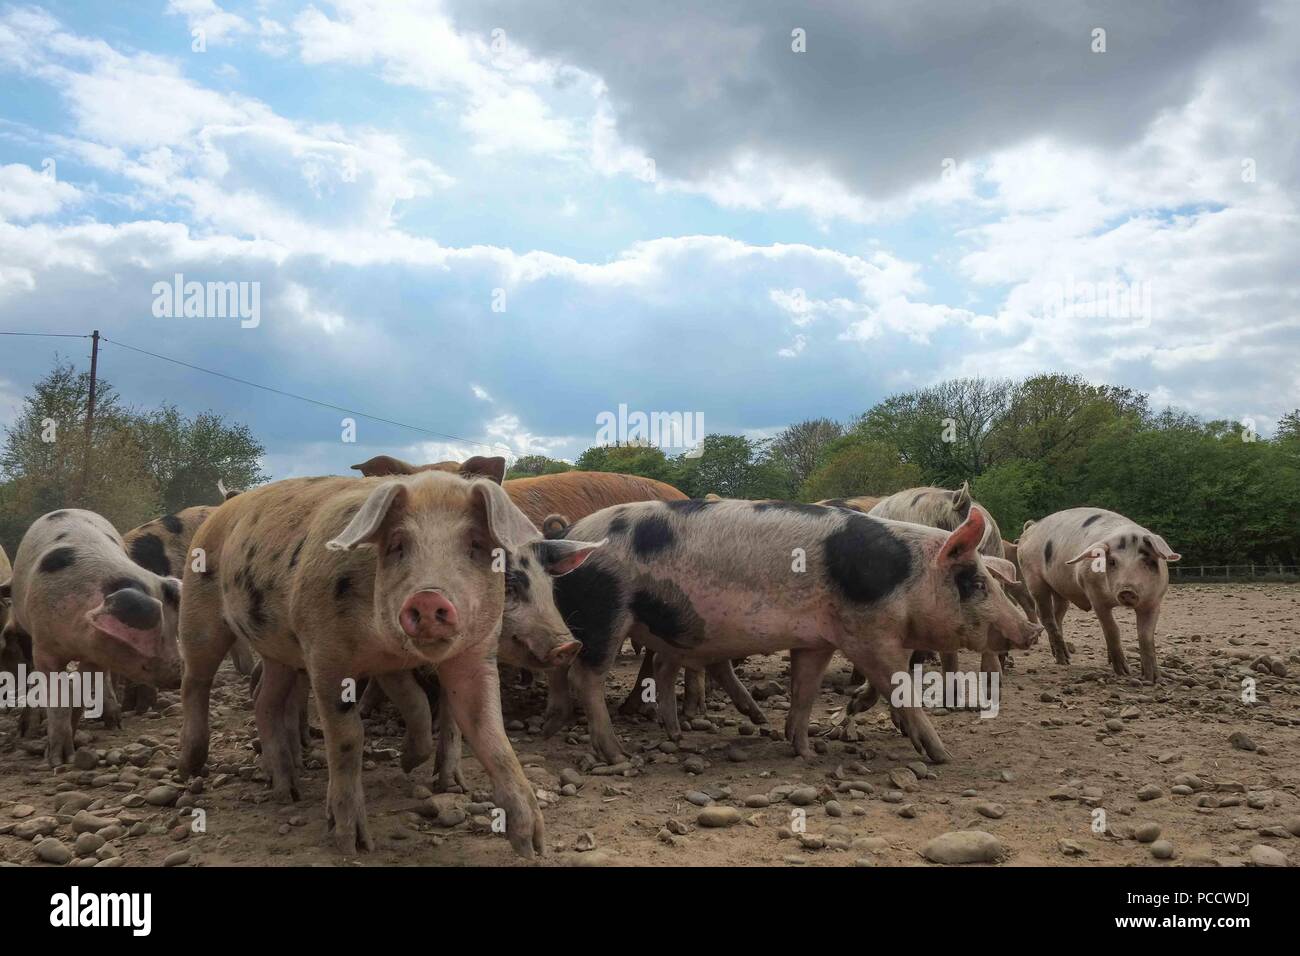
(276, 695)
(470, 684)
(590, 685)
(559, 702)
(725, 675)
(59, 728)
(1146, 624)
(344, 736)
(372, 698)
(447, 763)
(303, 716)
(880, 665)
(666, 668)
(695, 693)
(1046, 599)
(1110, 630)
(112, 708)
(633, 705)
(410, 699)
(205, 639)
(807, 665)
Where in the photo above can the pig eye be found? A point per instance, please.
(396, 547)
(1111, 563)
(476, 549)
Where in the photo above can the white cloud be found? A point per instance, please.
(28, 194)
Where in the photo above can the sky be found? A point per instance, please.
(500, 221)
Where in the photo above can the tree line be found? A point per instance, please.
(1218, 491)
(133, 466)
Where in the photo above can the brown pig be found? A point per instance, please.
(345, 578)
(1097, 560)
(79, 597)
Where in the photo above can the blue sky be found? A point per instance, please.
(683, 212)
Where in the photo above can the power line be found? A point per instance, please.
(265, 388)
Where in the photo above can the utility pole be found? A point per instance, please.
(90, 416)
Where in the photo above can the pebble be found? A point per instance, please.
(85, 759)
(88, 843)
(1241, 740)
(757, 801)
(1147, 833)
(1162, 850)
(162, 796)
(803, 796)
(1261, 855)
(177, 858)
(964, 846)
(698, 798)
(718, 817)
(35, 826)
(994, 811)
(53, 851)
(87, 822)
(1150, 792)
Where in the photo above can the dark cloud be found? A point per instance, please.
(885, 91)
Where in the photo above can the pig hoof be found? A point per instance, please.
(553, 723)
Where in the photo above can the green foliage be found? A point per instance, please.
(141, 464)
(856, 466)
(530, 466)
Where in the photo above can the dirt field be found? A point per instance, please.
(1067, 742)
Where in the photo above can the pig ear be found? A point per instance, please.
(1001, 568)
(365, 526)
(132, 618)
(961, 500)
(506, 523)
(963, 544)
(1163, 549)
(382, 465)
(554, 526)
(561, 557)
(1090, 551)
(480, 467)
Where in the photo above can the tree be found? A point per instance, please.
(800, 446)
(141, 464)
(644, 460)
(854, 466)
(732, 466)
(530, 466)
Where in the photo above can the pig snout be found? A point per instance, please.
(1128, 597)
(168, 673)
(564, 653)
(1028, 635)
(428, 615)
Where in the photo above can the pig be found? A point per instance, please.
(78, 596)
(1097, 560)
(559, 711)
(6, 572)
(944, 509)
(862, 503)
(346, 578)
(163, 547)
(702, 582)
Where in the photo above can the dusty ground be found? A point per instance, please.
(1067, 741)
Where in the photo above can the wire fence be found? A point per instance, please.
(1180, 573)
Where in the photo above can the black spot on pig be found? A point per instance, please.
(171, 592)
(864, 561)
(172, 524)
(56, 515)
(1123, 543)
(619, 525)
(1047, 553)
(149, 552)
(669, 615)
(917, 499)
(341, 588)
(652, 535)
(297, 552)
(1089, 520)
(589, 600)
(133, 608)
(57, 560)
(688, 506)
(256, 605)
(837, 503)
(61, 536)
